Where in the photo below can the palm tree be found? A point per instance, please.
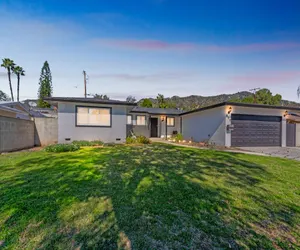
(9, 65)
(298, 92)
(18, 71)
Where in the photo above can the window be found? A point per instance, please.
(171, 121)
(129, 119)
(140, 120)
(94, 117)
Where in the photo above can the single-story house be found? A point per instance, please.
(227, 124)
(13, 112)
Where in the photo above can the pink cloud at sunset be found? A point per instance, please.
(158, 45)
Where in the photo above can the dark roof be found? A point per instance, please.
(24, 106)
(249, 105)
(156, 111)
(87, 100)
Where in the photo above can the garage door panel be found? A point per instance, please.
(260, 131)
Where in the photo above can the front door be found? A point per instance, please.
(154, 127)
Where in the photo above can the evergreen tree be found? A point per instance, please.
(146, 103)
(45, 89)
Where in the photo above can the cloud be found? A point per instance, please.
(158, 45)
(261, 79)
(146, 77)
(144, 44)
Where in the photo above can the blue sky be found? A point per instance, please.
(142, 48)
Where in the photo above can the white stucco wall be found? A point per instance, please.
(205, 125)
(67, 128)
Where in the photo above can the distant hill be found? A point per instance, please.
(197, 101)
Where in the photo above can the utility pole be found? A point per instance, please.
(254, 93)
(84, 78)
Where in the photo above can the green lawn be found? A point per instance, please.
(148, 197)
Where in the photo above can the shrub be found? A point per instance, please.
(87, 143)
(178, 137)
(57, 148)
(138, 139)
(142, 139)
(130, 140)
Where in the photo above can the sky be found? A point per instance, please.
(143, 48)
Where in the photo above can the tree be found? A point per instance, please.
(45, 89)
(4, 96)
(9, 65)
(146, 103)
(18, 71)
(161, 101)
(298, 92)
(131, 99)
(263, 96)
(102, 97)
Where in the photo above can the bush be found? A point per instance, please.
(178, 137)
(87, 143)
(57, 148)
(142, 139)
(130, 140)
(138, 139)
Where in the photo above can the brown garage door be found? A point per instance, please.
(255, 131)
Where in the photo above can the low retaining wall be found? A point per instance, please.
(15, 134)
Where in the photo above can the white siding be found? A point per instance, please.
(205, 125)
(68, 129)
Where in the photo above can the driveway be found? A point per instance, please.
(290, 153)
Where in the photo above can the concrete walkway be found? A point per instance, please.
(288, 152)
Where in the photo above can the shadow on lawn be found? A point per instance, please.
(152, 197)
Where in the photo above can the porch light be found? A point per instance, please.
(229, 110)
(162, 118)
(285, 113)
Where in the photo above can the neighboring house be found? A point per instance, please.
(32, 111)
(227, 124)
(13, 113)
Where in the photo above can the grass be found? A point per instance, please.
(148, 197)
